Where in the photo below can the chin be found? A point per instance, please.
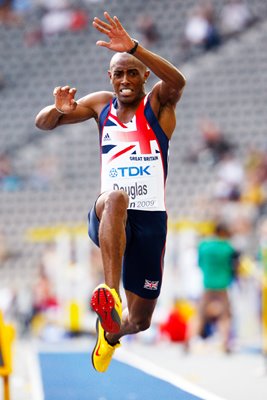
(126, 99)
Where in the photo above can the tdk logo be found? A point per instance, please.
(126, 172)
(113, 173)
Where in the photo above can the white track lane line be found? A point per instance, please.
(150, 368)
(37, 390)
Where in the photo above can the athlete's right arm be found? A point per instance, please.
(66, 110)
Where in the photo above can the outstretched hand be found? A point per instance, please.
(64, 99)
(119, 38)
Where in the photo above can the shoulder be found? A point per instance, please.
(163, 104)
(165, 95)
(96, 100)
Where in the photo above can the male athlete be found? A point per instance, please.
(129, 220)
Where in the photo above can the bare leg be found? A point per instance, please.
(224, 326)
(111, 209)
(137, 319)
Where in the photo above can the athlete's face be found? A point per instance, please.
(127, 75)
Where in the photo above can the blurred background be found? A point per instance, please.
(217, 174)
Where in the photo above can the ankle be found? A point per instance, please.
(110, 341)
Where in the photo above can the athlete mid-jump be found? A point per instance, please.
(128, 221)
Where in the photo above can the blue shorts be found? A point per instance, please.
(142, 267)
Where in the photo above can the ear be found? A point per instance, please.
(110, 76)
(146, 75)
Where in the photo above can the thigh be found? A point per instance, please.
(144, 255)
(95, 214)
(215, 304)
(94, 217)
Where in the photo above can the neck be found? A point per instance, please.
(122, 105)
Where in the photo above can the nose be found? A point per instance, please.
(125, 78)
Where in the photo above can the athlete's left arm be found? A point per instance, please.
(167, 92)
(172, 81)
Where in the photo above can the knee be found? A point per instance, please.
(141, 323)
(117, 200)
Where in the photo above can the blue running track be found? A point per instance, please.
(70, 376)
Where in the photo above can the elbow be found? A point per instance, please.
(179, 88)
(40, 125)
(181, 85)
(178, 84)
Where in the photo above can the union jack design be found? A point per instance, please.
(128, 150)
(151, 285)
(136, 136)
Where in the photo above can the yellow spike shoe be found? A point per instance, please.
(107, 304)
(103, 351)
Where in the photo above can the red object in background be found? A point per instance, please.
(79, 21)
(175, 327)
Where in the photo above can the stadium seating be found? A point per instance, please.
(228, 85)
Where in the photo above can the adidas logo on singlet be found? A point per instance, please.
(106, 137)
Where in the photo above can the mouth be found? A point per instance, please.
(126, 91)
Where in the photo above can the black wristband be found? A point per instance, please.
(133, 50)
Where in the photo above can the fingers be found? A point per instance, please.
(118, 24)
(110, 20)
(103, 26)
(64, 90)
(119, 38)
(56, 90)
(102, 43)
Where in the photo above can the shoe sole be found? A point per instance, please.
(103, 303)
